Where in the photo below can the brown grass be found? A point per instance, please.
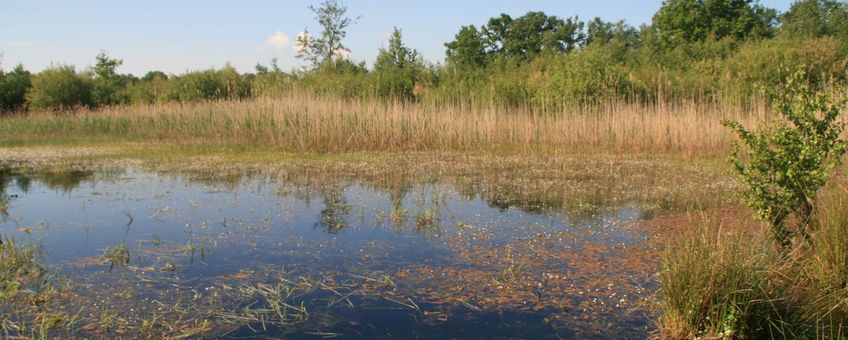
(299, 122)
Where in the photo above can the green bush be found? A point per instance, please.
(211, 84)
(13, 88)
(786, 164)
(271, 83)
(59, 88)
(397, 69)
(339, 78)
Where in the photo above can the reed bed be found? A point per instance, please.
(301, 122)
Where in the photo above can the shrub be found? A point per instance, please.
(59, 88)
(211, 84)
(788, 163)
(13, 87)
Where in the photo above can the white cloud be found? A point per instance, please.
(278, 41)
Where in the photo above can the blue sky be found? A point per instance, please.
(179, 35)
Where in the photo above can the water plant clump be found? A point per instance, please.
(118, 254)
(26, 288)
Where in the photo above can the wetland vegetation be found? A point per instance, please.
(552, 179)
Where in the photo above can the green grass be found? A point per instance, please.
(25, 288)
(728, 279)
(824, 266)
(715, 283)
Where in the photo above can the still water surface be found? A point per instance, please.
(357, 261)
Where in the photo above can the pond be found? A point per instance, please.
(143, 252)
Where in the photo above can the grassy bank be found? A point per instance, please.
(302, 123)
(726, 278)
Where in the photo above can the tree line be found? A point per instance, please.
(702, 50)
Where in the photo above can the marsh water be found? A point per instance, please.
(255, 255)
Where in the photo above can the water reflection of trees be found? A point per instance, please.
(63, 179)
(330, 187)
(333, 217)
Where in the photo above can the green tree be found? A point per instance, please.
(153, 75)
(687, 21)
(332, 16)
(816, 18)
(531, 34)
(601, 32)
(107, 83)
(467, 49)
(397, 68)
(13, 88)
(59, 88)
(786, 164)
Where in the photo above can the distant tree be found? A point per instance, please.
(261, 69)
(13, 88)
(601, 32)
(397, 68)
(522, 38)
(467, 49)
(107, 83)
(153, 75)
(531, 34)
(396, 55)
(816, 18)
(332, 16)
(59, 88)
(687, 21)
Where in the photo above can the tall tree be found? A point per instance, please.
(686, 21)
(467, 49)
(602, 32)
(396, 55)
(107, 82)
(332, 16)
(397, 68)
(816, 18)
(531, 34)
(522, 38)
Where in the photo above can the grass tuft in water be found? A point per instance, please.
(118, 254)
(25, 287)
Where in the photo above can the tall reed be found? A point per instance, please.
(300, 122)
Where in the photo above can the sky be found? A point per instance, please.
(176, 36)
